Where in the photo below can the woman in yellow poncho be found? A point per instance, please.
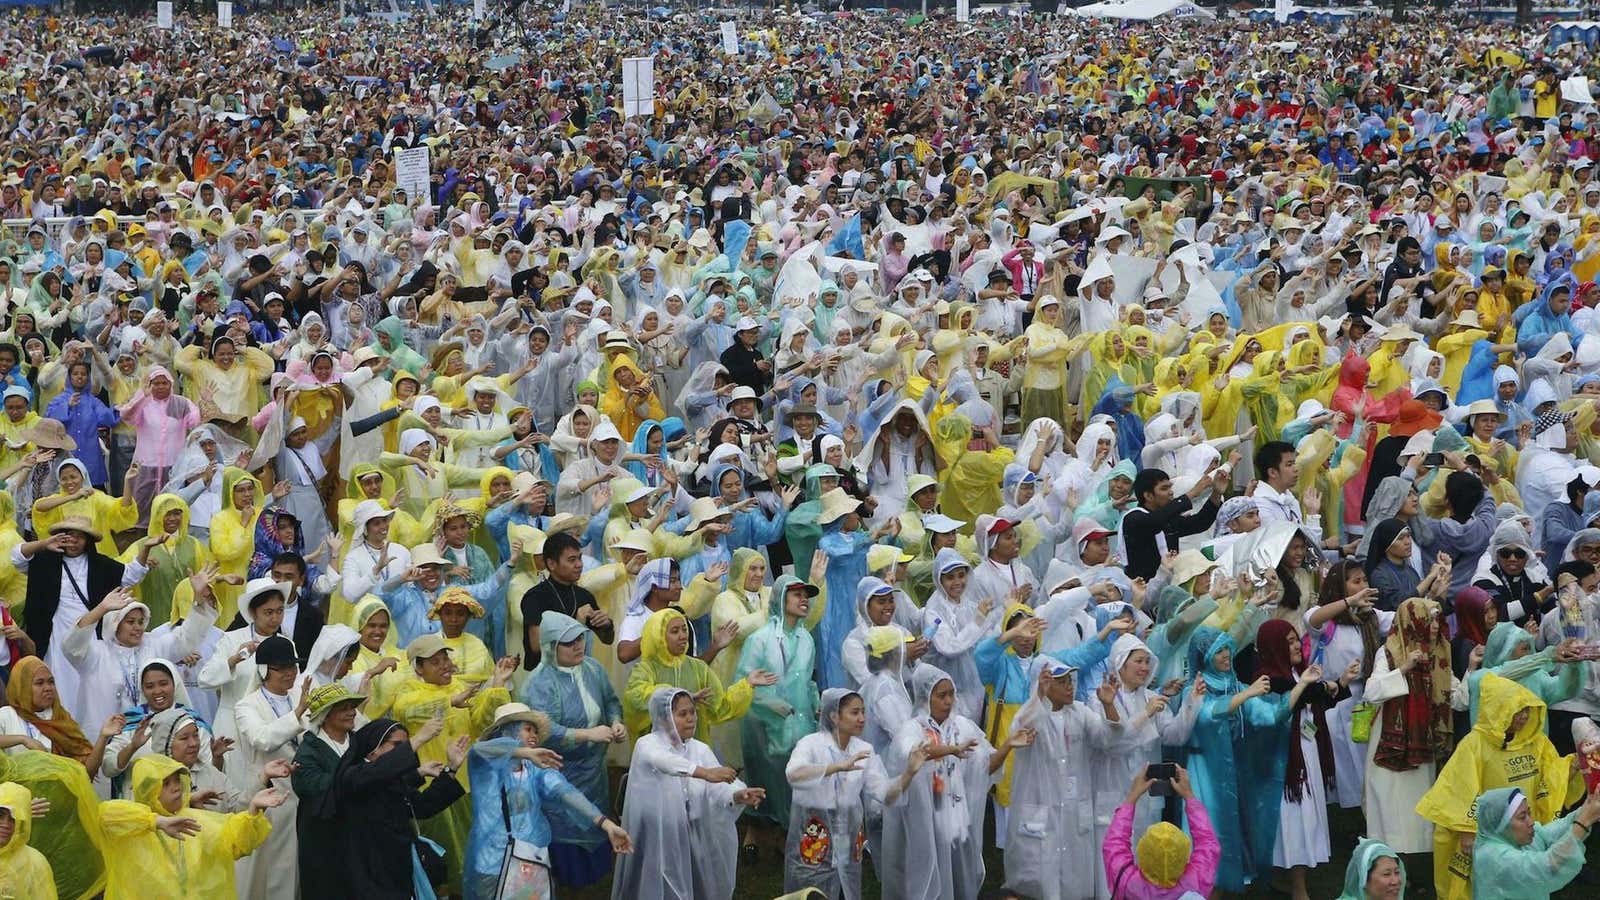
(370, 619)
(13, 584)
(494, 488)
(230, 380)
(72, 843)
(175, 560)
(233, 531)
(970, 479)
(1587, 266)
(1519, 286)
(368, 482)
(165, 847)
(76, 497)
(630, 397)
(664, 661)
(433, 690)
(1507, 747)
(1109, 357)
(1142, 353)
(1044, 378)
(24, 872)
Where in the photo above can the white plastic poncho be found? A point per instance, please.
(933, 833)
(960, 626)
(1050, 839)
(1139, 743)
(888, 703)
(828, 813)
(683, 828)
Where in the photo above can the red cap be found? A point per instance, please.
(1001, 526)
(1095, 535)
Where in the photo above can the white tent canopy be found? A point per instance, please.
(1144, 10)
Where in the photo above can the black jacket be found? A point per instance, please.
(1140, 527)
(377, 802)
(45, 573)
(740, 361)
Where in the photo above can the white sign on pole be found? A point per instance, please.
(638, 86)
(963, 10)
(1281, 10)
(730, 39)
(411, 172)
(477, 9)
(164, 14)
(224, 14)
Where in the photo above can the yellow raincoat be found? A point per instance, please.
(415, 703)
(148, 864)
(72, 843)
(13, 584)
(1456, 348)
(1108, 353)
(616, 404)
(233, 540)
(657, 668)
(1044, 378)
(422, 491)
(24, 872)
(109, 514)
(1484, 760)
(382, 689)
(181, 556)
(970, 479)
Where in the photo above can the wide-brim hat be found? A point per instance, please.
(835, 505)
(50, 434)
(77, 523)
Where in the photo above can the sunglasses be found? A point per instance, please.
(1514, 553)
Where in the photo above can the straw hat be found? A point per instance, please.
(1483, 408)
(703, 510)
(427, 555)
(507, 713)
(322, 700)
(77, 523)
(835, 505)
(50, 434)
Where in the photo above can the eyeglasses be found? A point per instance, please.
(1514, 553)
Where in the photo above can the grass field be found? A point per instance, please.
(764, 879)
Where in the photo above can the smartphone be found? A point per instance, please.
(1162, 774)
(1433, 460)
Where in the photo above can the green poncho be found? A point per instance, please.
(1501, 870)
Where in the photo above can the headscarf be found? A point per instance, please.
(1382, 536)
(1367, 853)
(1417, 728)
(66, 738)
(1204, 646)
(1272, 656)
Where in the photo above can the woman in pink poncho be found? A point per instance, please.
(1166, 864)
(1353, 399)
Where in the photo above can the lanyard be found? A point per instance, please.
(73, 580)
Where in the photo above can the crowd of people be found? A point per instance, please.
(903, 445)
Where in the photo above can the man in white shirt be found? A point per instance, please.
(1276, 473)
